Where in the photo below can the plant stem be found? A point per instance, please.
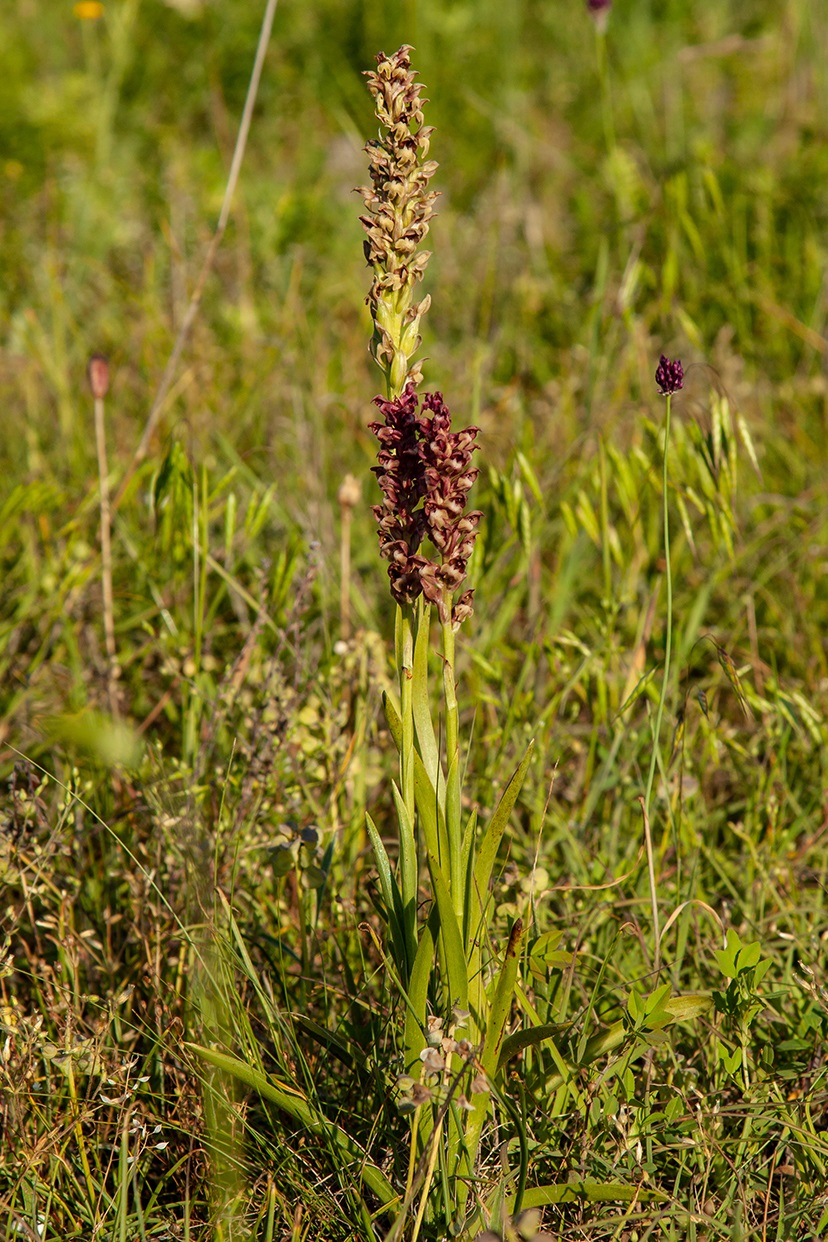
(606, 95)
(454, 827)
(668, 641)
(408, 861)
(668, 646)
(106, 557)
(405, 671)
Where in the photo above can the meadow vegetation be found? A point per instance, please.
(213, 1023)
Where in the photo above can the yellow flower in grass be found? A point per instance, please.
(88, 10)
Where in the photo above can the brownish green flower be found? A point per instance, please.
(399, 206)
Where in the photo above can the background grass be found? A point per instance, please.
(582, 231)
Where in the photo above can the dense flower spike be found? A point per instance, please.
(402, 482)
(446, 457)
(422, 459)
(669, 376)
(399, 206)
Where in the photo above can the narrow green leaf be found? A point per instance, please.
(748, 443)
(408, 881)
(297, 1105)
(392, 716)
(426, 741)
(529, 476)
(383, 865)
(415, 1017)
(408, 852)
(512, 1045)
(640, 686)
(429, 803)
(429, 807)
(487, 850)
(458, 983)
(467, 870)
(593, 1192)
(685, 1008)
(349, 1053)
(502, 1001)
(390, 896)
(454, 835)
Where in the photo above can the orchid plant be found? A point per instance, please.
(456, 987)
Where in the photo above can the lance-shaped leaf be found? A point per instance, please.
(390, 894)
(415, 1016)
(458, 983)
(502, 1000)
(426, 741)
(487, 850)
(297, 1105)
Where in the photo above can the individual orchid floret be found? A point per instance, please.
(669, 376)
(398, 206)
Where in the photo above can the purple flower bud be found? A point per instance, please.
(669, 376)
(599, 10)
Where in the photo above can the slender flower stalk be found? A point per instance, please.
(98, 376)
(669, 378)
(349, 496)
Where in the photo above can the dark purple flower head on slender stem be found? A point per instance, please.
(669, 376)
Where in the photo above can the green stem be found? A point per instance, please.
(668, 647)
(668, 642)
(606, 94)
(454, 828)
(405, 672)
(408, 869)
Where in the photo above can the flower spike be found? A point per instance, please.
(398, 206)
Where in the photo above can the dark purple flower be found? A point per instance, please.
(400, 475)
(669, 376)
